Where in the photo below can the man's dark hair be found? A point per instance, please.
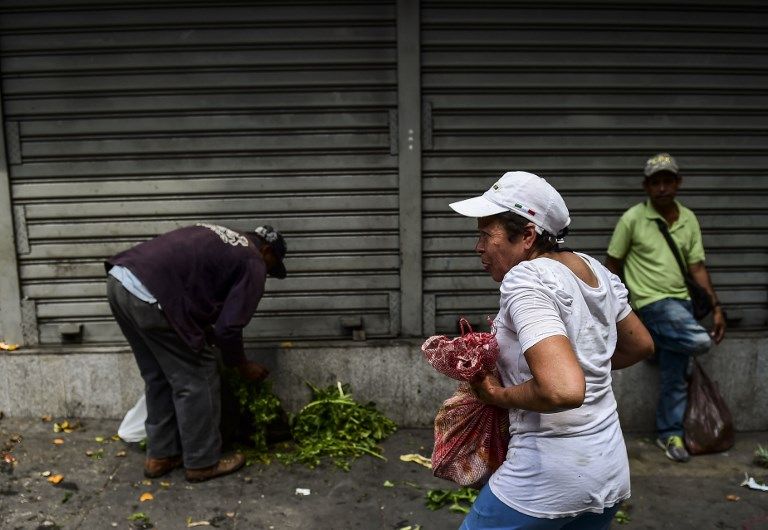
(515, 225)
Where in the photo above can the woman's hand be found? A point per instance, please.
(486, 387)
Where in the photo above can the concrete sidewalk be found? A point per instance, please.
(102, 491)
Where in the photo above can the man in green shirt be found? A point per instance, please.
(640, 254)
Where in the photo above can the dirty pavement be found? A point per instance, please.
(80, 477)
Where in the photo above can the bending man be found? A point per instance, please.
(173, 297)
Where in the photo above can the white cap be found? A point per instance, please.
(525, 194)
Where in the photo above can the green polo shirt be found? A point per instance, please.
(650, 270)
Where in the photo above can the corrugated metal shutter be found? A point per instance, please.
(583, 94)
(128, 119)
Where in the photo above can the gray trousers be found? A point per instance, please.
(182, 386)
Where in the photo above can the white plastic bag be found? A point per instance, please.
(132, 428)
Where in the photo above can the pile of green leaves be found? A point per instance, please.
(335, 426)
(761, 456)
(262, 407)
(458, 500)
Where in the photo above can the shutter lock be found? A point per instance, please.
(71, 332)
(356, 325)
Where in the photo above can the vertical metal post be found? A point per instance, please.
(409, 152)
(10, 294)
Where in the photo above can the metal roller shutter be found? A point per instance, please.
(124, 120)
(582, 94)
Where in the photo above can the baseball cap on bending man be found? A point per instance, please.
(276, 241)
(524, 194)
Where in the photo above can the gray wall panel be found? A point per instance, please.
(135, 119)
(149, 226)
(273, 328)
(129, 14)
(131, 119)
(185, 164)
(583, 93)
(316, 34)
(372, 180)
(340, 302)
(221, 101)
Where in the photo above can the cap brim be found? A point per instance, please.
(278, 271)
(477, 207)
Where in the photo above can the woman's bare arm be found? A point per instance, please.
(557, 384)
(634, 342)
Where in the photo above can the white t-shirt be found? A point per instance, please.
(565, 463)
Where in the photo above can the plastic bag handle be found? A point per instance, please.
(464, 322)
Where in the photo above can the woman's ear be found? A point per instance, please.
(529, 236)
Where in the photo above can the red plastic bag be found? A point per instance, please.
(471, 437)
(708, 422)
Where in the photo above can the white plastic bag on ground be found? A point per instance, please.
(132, 428)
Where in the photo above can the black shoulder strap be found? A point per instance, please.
(675, 251)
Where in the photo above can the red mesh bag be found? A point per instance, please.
(471, 437)
(463, 357)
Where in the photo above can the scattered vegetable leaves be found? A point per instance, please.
(458, 500)
(138, 516)
(336, 427)
(417, 458)
(622, 517)
(66, 426)
(761, 456)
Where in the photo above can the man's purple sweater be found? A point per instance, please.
(203, 276)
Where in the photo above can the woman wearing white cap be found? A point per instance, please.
(564, 323)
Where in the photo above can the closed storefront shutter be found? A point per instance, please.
(124, 120)
(583, 95)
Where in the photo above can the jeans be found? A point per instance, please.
(677, 336)
(181, 385)
(489, 513)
